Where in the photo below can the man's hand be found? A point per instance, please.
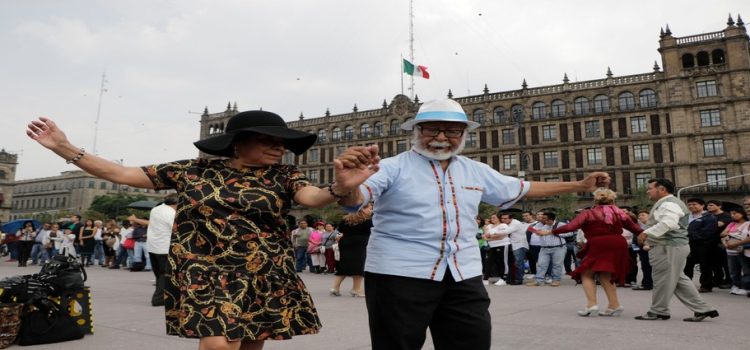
(596, 180)
(355, 165)
(642, 238)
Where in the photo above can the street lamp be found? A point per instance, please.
(517, 112)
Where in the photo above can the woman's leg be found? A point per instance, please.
(358, 286)
(219, 343)
(337, 283)
(589, 287)
(605, 278)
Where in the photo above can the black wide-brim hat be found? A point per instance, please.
(260, 122)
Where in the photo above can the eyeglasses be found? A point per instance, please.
(432, 132)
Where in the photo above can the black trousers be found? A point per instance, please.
(700, 253)
(159, 267)
(24, 252)
(499, 262)
(533, 256)
(400, 310)
(646, 280)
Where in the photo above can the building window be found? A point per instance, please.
(538, 110)
(322, 135)
(288, 158)
(395, 126)
(549, 132)
(349, 132)
(640, 153)
(364, 130)
(706, 88)
(312, 175)
(92, 184)
(601, 104)
(102, 185)
(498, 115)
(509, 161)
(641, 180)
(648, 98)
(400, 146)
(550, 159)
(581, 106)
(314, 155)
(594, 156)
(509, 136)
(336, 134)
(627, 101)
(377, 129)
(340, 149)
(592, 128)
(478, 116)
(638, 125)
(713, 147)
(710, 117)
(558, 108)
(471, 139)
(717, 178)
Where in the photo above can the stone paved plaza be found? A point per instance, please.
(522, 317)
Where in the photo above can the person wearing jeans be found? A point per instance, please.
(140, 251)
(517, 232)
(552, 252)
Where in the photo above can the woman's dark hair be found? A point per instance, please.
(741, 212)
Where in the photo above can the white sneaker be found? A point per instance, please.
(500, 282)
(548, 280)
(733, 290)
(486, 282)
(738, 291)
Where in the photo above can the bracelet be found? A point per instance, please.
(337, 196)
(77, 157)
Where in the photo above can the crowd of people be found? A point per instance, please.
(231, 241)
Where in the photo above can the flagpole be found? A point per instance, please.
(402, 73)
(411, 44)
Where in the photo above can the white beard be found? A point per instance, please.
(417, 146)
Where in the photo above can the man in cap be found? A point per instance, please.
(423, 265)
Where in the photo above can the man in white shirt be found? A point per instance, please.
(159, 234)
(517, 232)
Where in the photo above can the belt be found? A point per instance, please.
(554, 246)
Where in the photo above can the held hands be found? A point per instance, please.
(355, 165)
(46, 132)
(595, 180)
(543, 232)
(642, 238)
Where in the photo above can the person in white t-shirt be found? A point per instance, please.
(159, 235)
(499, 255)
(520, 246)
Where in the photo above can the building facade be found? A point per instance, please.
(71, 192)
(8, 164)
(684, 121)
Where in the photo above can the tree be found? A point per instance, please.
(563, 205)
(111, 205)
(487, 210)
(331, 213)
(640, 200)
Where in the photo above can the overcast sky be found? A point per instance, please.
(167, 60)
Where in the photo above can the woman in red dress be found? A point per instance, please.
(605, 252)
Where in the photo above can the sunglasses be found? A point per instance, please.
(432, 132)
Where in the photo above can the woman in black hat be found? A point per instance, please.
(233, 282)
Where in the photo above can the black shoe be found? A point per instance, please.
(725, 286)
(650, 316)
(700, 316)
(114, 267)
(642, 288)
(704, 290)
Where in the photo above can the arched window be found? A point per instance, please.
(516, 112)
(538, 110)
(688, 61)
(377, 129)
(627, 101)
(478, 115)
(349, 132)
(601, 104)
(717, 56)
(322, 135)
(336, 134)
(581, 106)
(395, 125)
(499, 116)
(558, 108)
(702, 58)
(648, 98)
(364, 130)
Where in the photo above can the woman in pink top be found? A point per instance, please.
(314, 242)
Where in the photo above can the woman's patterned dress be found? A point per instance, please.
(231, 259)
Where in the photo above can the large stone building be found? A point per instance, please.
(71, 192)
(8, 164)
(684, 121)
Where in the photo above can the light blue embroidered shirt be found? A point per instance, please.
(424, 217)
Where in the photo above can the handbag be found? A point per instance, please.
(128, 244)
(322, 249)
(64, 273)
(336, 252)
(44, 323)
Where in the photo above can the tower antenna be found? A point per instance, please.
(102, 90)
